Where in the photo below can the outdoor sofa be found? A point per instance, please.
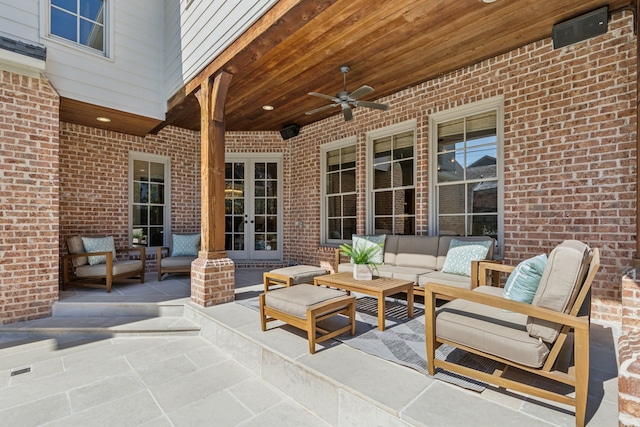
(423, 259)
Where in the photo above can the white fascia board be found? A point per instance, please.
(21, 64)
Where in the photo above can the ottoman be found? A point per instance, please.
(293, 275)
(305, 305)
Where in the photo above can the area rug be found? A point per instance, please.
(403, 340)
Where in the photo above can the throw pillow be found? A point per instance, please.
(186, 244)
(99, 244)
(461, 253)
(368, 241)
(523, 281)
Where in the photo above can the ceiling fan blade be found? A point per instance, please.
(322, 95)
(317, 110)
(361, 91)
(375, 105)
(348, 114)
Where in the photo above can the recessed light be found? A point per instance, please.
(488, 1)
(103, 119)
(267, 107)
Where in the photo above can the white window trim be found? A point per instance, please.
(495, 103)
(345, 142)
(45, 32)
(409, 125)
(166, 230)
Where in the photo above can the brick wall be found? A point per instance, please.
(28, 197)
(94, 193)
(569, 151)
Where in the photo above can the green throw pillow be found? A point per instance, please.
(186, 244)
(367, 241)
(461, 253)
(523, 281)
(99, 244)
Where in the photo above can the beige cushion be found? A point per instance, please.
(404, 273)
(566, 268)
(347, 267)
(390, 249)
(75, 246)
(463, 282)
(417, 251)
(100, 270)
(177, 261)
(295, 300)
(491, 330)
(300, 273)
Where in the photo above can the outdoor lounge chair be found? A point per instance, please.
(92, 262)
(178, 259)
(518, 334)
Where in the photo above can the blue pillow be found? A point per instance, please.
(462, 252)
(523, 281)
(99, 244)
(377, 257)
(185, 244)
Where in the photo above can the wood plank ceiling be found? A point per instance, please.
(300, 45)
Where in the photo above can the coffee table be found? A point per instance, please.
(379, 287)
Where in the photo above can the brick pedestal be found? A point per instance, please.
(629, 352)
(212, 281)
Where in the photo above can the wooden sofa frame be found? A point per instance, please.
(577, 376)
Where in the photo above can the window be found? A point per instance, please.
(339, 191)
(79, 21)
(149, 206)
(466, 196)
(392, 185)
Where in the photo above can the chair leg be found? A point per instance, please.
(581, 354)
(430, 330)
(263, 318)
(159, 274)
(352, 317)
(311, 332)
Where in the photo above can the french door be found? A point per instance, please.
(253, 207)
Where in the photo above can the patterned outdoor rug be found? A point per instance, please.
(403, 340)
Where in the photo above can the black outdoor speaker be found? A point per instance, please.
(290, 131)
(581, 28)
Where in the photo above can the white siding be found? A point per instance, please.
(19, 20)
(130, 79)
(196, 35)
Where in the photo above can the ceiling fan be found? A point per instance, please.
(346, 100)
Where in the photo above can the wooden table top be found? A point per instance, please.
(377, 283)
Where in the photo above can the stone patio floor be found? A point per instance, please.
(227, 372)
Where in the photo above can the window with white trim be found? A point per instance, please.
(149, 199)
(79, 21)
(466, 182)
(392, 181)
(339, 192)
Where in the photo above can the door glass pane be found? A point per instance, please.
(234, 206)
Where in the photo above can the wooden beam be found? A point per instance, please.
(211, 96)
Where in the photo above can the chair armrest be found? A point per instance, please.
(494, 268)
(433, 289)
(336, 260)
(160, 250)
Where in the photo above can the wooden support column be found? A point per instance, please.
(212, 273)
(212, 95)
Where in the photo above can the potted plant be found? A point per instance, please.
(362, 254)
